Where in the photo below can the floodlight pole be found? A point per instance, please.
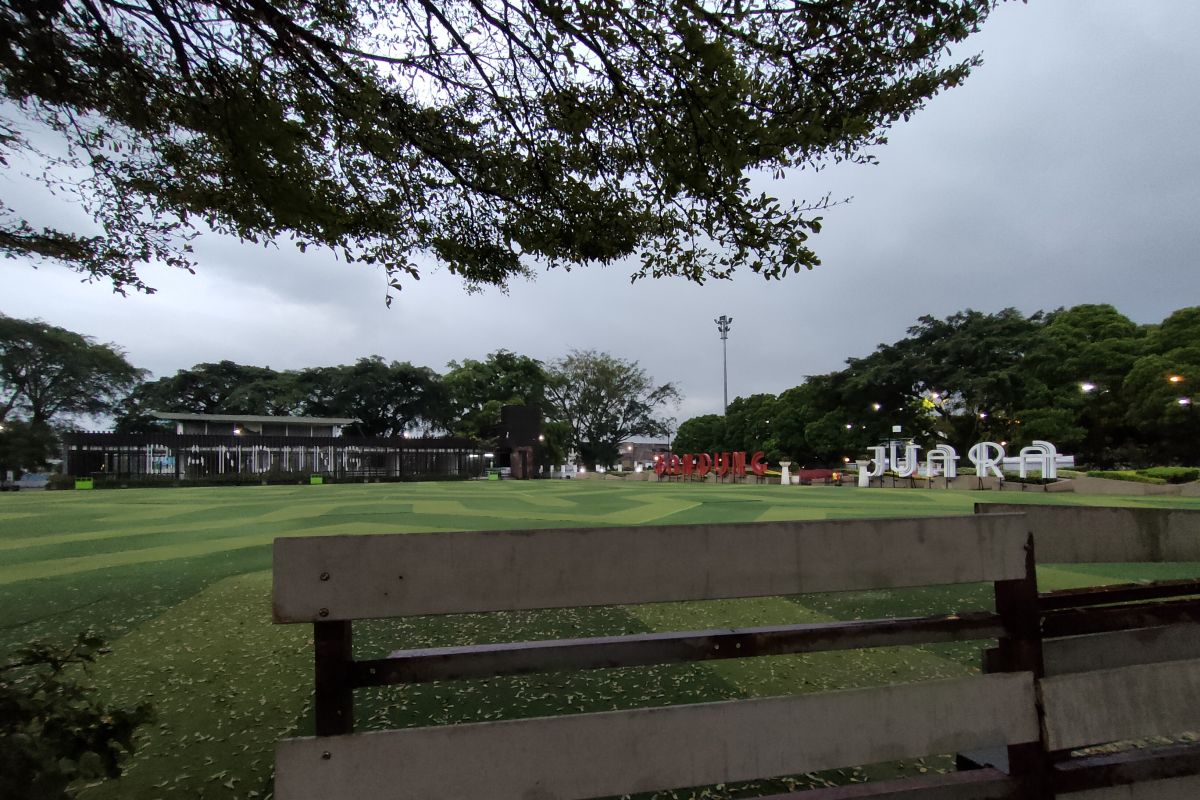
(723, 323)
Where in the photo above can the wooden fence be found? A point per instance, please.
(1042, 694)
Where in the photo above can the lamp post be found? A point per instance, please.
(723, 323)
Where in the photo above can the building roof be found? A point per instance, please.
(184, 417)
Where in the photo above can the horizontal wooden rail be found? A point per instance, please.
(1109, 705)
(327, 578)
(1117, 593)
(1130, 766)
(978, 784)
(1083, 534)
(1078, 621)
(481, 661)
(625, 752)
(1122, 648)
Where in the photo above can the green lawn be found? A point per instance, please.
(179, 582)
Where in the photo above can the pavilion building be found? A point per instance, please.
(236, 447)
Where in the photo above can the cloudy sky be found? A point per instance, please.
(1065, 171)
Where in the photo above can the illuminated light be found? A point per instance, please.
(876, 406)
(983, 415)
(849, 425)
(845, 459)
(541, 437)
(1087, 387)
(237, 431)
(630, 448)
(1004, 444)
(1176, 379)
(489, 455)
(1185, 401)
(583, 469)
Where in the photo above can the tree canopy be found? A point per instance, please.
(489, 135)
(1087, 378)
(605, 400)
(50, 374)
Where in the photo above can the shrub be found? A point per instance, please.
(55, 731)
(1125, 475)
(1173, 474)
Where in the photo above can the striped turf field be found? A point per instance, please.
(179, 582)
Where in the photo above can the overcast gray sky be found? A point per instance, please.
(1065, 171)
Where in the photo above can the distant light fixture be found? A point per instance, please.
(1176, 379)
(237, 431)
(1185, 401)
(1087, 387)
(983, 415)
(1004, 444)
(845, 459)
(583, 469)
(849, 425)
(876, 406)
(489, 455)
(541, 437)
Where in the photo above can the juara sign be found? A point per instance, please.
(721, 464)
(988, 458)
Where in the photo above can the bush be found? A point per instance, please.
(1173, 474)
(53, 730)
(1126, 475)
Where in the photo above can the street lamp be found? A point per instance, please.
(723, 323)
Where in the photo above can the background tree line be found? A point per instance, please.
(589, 401)
(1087, 378)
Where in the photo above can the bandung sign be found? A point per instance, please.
(720, 464)
(988, 457)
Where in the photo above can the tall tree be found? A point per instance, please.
(50, 374)
(605, 400)
(478, 389)
(388, 398)
(224, 387)
(473, 131)
(748, 422)
(702, 434)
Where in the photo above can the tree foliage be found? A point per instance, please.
(476, 132)
(49, 374)
(1086, 378)
(477, 390)
(605, 400)
(703, 434)
(25, 446)
(388, 398)
(55, 730)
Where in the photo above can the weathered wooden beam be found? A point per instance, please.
(1118, 593)
(1079, 621)
(1081, 534)
(1110, 705)
(1128, 767)
(625, 752)
(980, 784)
(481, 661)
(1114, 649)
(390, 575)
